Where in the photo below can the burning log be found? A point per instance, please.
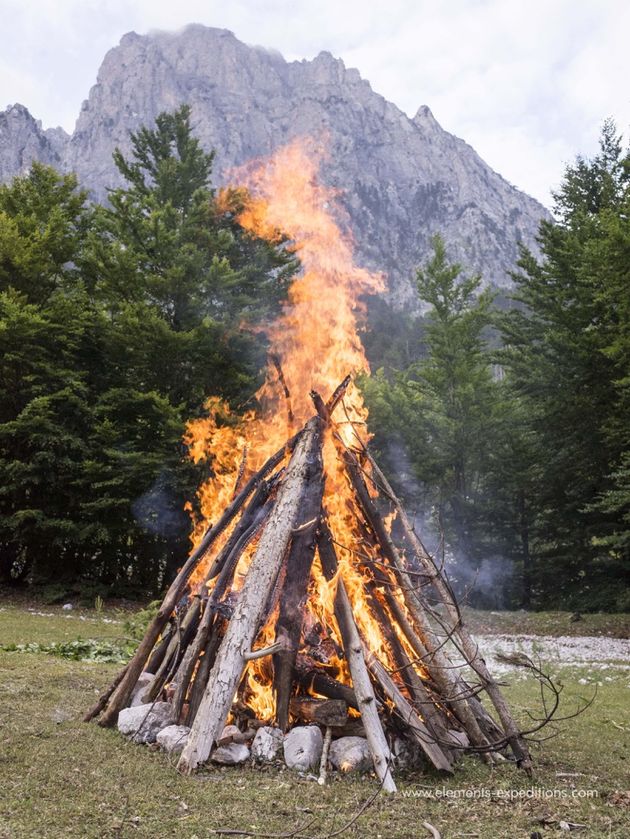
(205, 660)
(291, 616)
(121, 694)
(353, 646)
(242, 627)
(317, 680)
(326, 712)
(469, 647)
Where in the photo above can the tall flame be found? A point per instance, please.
(316, 339)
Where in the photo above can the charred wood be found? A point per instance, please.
(122, 693)
(242, 627)
(320, 711)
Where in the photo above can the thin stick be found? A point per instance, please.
(323, 764)
(287, 393)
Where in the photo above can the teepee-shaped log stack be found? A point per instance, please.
(203, 639)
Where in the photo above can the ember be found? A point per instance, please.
(296, 604)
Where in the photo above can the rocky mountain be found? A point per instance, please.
(22, 140)
(401, 179)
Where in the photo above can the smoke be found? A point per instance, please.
(486, 583)
(159, 511)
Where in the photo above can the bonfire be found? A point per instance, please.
(297, 606)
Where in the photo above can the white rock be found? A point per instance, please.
(267, 743)
(143, 722)
(230, 755)
(303, 747)
(407, 754)
(67, 607)
(350, 754)
(229, 731)
(144, 680)
(173, 738)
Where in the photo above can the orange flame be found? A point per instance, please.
(316, 339)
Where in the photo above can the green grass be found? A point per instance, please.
(62, 778)
(548, 623)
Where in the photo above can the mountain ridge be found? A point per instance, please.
(400, 179)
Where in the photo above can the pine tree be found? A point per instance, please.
(116, 324)
(441, 409)
(565, 359)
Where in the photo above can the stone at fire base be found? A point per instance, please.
(303, 747)
(143, 722)
(144, 680)
(350, 754)
(229, 731)
(267, 743)
(407, 755)
(230, 755)
(173, 738)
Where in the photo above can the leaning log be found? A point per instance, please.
(405, 711)
(353, 647)
(468, 645)
(122, 693)
(245, 621)
(295, 589)
(437, 663)
(175, 651)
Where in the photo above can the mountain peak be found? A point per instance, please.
(399, 180)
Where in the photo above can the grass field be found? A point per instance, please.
(62, 778)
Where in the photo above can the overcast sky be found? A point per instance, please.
(526, 82)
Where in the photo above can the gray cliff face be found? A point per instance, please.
(401, 180)
(22, 140)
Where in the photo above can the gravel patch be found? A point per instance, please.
(595, 652)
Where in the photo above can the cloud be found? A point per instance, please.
(528, 84)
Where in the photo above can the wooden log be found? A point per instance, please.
(159, 651)
(228, 567)
(353, 647)
(435, 720)
(307, 709)
(405, 711)
(120, 696)
(245, 522)
(313, 678)
(440, 667)
(379, 750)
(206, 662)
(175, 651)
(190, 659)
(295, 588)
(244, 623)
(338, 394)
(468, 645)
(353, 728)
